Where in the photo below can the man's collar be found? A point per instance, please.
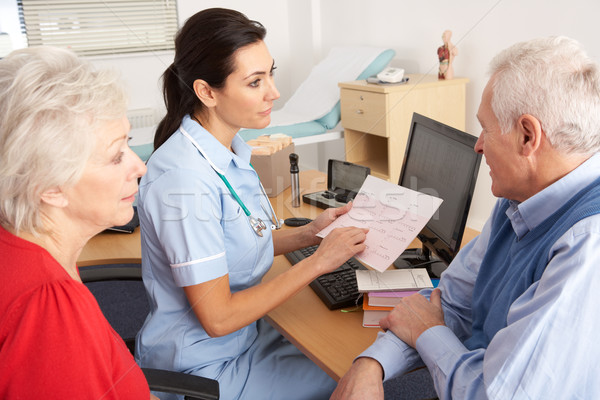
(527, 215)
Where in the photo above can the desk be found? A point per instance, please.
(112, 248)
(332, 339)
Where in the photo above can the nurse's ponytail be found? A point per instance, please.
(204, 49)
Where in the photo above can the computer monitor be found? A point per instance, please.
(439, 161)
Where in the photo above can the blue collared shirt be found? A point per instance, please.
(549, 347)
(193, 231)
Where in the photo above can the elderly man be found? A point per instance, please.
(515, 315)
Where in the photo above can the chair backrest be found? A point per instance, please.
(122, 298)
(123, 301)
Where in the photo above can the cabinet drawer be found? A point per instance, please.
(364, 111)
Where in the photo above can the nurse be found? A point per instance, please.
(205, 243)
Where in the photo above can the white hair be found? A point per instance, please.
(51, 104)
(555, 81)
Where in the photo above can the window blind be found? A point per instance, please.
(101, 27)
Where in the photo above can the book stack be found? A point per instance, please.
(383, 290)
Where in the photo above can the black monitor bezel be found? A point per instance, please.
(430, 240)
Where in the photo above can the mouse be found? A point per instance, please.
(297, 221)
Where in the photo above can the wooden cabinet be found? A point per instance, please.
(376, 118)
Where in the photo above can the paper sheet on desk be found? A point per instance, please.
(394, 216)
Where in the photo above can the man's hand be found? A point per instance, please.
(413, 316)
(364, 380)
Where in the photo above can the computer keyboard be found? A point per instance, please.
(336, 289)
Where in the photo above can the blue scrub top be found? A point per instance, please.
(194, 231)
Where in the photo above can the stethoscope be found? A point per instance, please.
(257, 224)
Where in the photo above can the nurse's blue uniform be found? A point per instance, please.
(193, 231)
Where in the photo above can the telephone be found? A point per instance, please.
(391, 75)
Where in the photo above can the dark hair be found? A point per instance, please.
(204, 49)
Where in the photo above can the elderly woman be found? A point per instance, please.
(66, 173)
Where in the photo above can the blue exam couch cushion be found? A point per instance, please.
(143, 150)
(296, 130)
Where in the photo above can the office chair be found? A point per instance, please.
(120, 293)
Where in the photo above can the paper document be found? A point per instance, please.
(393, 279)
(394, 216)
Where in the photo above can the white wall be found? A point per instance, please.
(142, 72)
(10, 25)
(480, 30)
(300, 33)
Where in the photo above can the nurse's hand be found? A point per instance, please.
(326, 218)
(339, 245)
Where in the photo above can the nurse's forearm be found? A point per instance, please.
(221, 312)
(290, 239)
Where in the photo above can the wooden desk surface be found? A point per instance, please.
(332, 339)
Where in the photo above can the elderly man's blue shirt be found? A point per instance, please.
(545, 350)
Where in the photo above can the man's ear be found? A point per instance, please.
(204, 92)
(530, 134)
(55, 197)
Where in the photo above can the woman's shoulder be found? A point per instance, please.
(59, 308)
(57, 329)
(54, 296)
(28, 267)
(175, 153)
(176, 159)
(178, 174)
